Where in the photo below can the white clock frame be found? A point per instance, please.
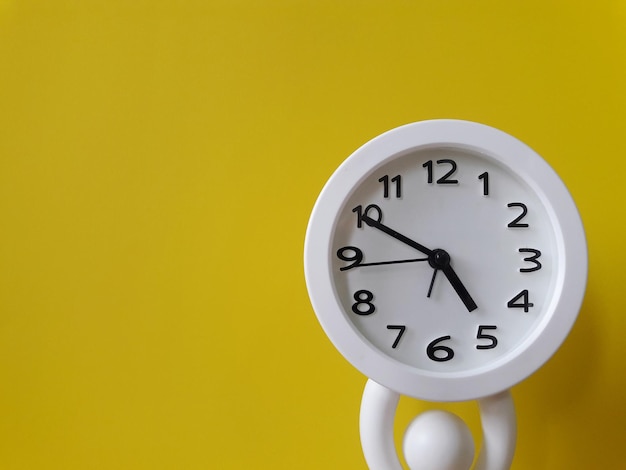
(571, 256)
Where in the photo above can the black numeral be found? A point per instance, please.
(531, 259)
(363, 304)
(485, 177)
(360, 212)
(438, 352)
(397, 180)
(516, 222)
(350, 254)
(445, 178)
(480, 335)
(520, 301)
(400, 329)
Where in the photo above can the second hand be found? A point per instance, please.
(379, 263)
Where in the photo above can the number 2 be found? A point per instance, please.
(516, 222)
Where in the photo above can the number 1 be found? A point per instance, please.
(485, 177)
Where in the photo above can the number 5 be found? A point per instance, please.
(481, 335)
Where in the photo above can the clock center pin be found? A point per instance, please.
(439, 259)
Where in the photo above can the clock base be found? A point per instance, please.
(378, 409)
(438, 440)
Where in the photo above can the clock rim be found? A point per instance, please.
(571, 276)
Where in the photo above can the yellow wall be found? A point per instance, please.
(158, 164)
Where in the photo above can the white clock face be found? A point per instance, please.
(443, 259)
(446, 260)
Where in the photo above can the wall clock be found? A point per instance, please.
(446, 260)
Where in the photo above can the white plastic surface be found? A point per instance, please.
(378, 409)
(497, 414)
(451, 382)
(438, 440)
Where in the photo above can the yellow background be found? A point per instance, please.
(158, 164)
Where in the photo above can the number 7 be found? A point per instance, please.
(400, 329)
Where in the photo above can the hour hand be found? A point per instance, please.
(440, 259)
(460, 289)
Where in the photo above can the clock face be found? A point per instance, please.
(496, 246)
(446, 260)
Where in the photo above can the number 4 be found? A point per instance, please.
(520, 301)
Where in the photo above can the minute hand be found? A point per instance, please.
(454, 280)
(389, 231)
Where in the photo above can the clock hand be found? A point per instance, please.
(438, 259)
(380, 263)
(389, 231)
(460, 288)
(432, 282)
(456, 284)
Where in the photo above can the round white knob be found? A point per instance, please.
(438, 440)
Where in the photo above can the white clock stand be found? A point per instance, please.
(420, 183)
(436, 440)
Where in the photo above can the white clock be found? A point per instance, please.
(446, 260)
